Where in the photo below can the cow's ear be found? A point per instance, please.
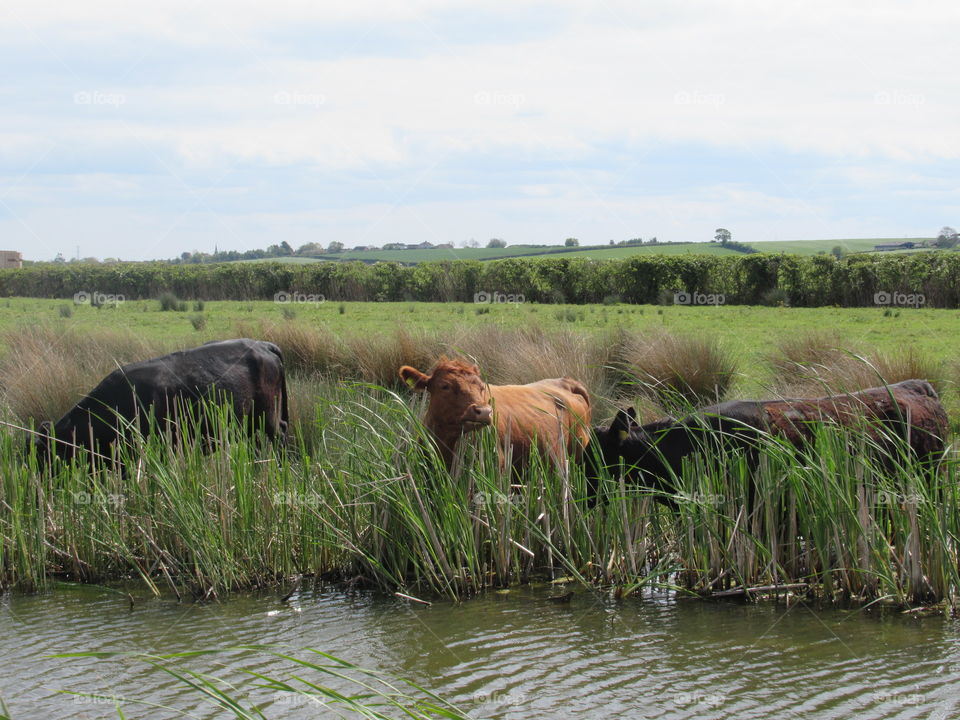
(46, 428)
(414, 378)
(622, 423)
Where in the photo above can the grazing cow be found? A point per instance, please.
(552, 414)
(653, 453)
(246, 374)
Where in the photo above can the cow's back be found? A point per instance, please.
(911, 408)
(247, 373)
(554, 414)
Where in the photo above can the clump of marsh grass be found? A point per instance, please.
(377, 358)
(697, 368)
(908, 363)
(306, 349)
(816, 362)
(523, 355)
(821, 363)
(171, 303)
(45, 369)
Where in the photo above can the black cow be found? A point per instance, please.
(652, 454)
(154, 395)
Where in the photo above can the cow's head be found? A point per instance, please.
(459, 399)
(643, 451)
(41, 440)
(607, 449)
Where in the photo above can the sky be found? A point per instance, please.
(142, 131)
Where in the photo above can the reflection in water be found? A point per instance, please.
(504, 655)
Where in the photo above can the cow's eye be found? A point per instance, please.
(445, 386)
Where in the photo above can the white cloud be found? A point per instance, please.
(845, 87)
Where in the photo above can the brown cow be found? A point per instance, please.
(552, 414)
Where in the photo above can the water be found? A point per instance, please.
(513, 655)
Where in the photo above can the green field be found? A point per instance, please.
(813, 247)
(750, 332)
(601, 252)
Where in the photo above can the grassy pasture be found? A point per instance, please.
(812, 247)
(750, 333)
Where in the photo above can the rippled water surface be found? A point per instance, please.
(504, 656)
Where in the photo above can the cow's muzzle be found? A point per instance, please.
(477, 416)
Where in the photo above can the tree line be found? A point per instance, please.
(932, 278)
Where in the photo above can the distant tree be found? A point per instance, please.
(185, 256)
(612, 242)
(947, 237)
(653, 241)
(837, 252)
(571, 242)
(59, 258)
(723, 236)
(310, 248)
(285, 248)
(335, 246)
(471, 243)
(496, 243)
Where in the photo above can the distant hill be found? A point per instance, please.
(600, 252)
(512, 251)
(813, 247)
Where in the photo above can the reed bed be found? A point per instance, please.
(359, 495)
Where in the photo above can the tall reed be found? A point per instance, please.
(314, 683)
(360, 494)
